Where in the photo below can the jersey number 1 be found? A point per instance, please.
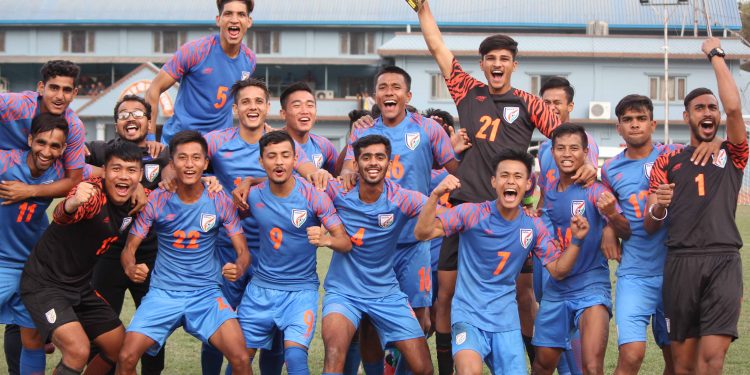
(701, 185)
(25, 209)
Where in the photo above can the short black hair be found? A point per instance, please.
(370, 140)
(696, 93)
(375, 111)
(498, 41)
(558, 83)
(445, 115)
(133, 98)
(570, 128)
(45, 122)
(635, 102)
(249, 3)
(291, 89)
(248, 82)
(60, 68)
(275, 137)
(395, 70)
(356, 114)
(125, 151)
(183, 137)
(512, 154)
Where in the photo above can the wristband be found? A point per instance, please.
(151, 137)
(651, 213)
(576, 241)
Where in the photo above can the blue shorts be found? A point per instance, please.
(638, 301)
(414, 272)
(391, 315)
(540, 277)
(12, 310)
(265, 310)
(232, 290)
(200, 312)
(503, 352)
(555, 320)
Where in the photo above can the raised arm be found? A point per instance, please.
(434, 39)
(161, 83)
(728, 93)
(428, 226)
(561, 267)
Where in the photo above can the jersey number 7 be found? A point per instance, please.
(504, 256)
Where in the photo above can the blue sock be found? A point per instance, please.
(211, 360)
(272, 360)
(33, 361)
(353, 358)
(374, 368)
(296, 361)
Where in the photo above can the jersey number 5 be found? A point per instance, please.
(221, 96)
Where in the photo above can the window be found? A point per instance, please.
(168, 41)
(676, 88)
(78, 41)
(264, 42)
(357, 43)
(537, 80)
(439, 90)
(2, 41)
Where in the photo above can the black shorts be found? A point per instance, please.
(702, 294)
(51, 307)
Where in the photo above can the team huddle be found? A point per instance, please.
(433, 230)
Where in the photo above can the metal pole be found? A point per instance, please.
(695, 18)
(708, 19)
(666, 77)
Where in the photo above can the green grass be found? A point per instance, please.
(183, 351)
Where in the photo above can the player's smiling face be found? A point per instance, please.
(704, 117)
(46, 148)
(557, 100)
(252, 107)
(392, 95)
(120, 179)
(189, 161)
(301, 112)
(635, 126)
(498, 66)
(233, 22)
(57, 94)
(511, 181)
(278, 161)
(128, 127)
(569, 153)
(372, 164)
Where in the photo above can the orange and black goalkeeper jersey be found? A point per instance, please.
(493, 123)
(66, 253)
(701, 217)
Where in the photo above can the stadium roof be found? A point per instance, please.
(556, 14)
(557, 45)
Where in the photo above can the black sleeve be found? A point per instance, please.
(96, 151)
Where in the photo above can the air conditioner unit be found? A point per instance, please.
(323, 94)
(600, 110)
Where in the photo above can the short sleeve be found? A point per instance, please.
(355, 134)
(301, 155)
(74, 156)
(410, 202)
(459, 218)
(331, 154)
(544, 247)
(228, 214)
(7, 158)
(596, 191)
(440, 142)
(145, 218)
(593, 154)
(322, 205)
(186, 57)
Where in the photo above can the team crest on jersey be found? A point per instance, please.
(245, 75)
(299, 217)
(385, 220)
(151, 171)
(125, 222)
(526, 236)
(721, 160)
(51, 316)
(578, 208)
(317, 160)
(461, 338)
(207, 222)
(647, 169)
(412, 140)
(510, 114)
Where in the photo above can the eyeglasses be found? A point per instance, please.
(124, 115)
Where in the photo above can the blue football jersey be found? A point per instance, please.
(367, 271)
(591, 269)
(286, 260)
(22, 223)
(187, 235)
(416, 144)
(491, 253)
(321, 152)
(17, 110)
(642, 254)
(206, 75)
(548, 172)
